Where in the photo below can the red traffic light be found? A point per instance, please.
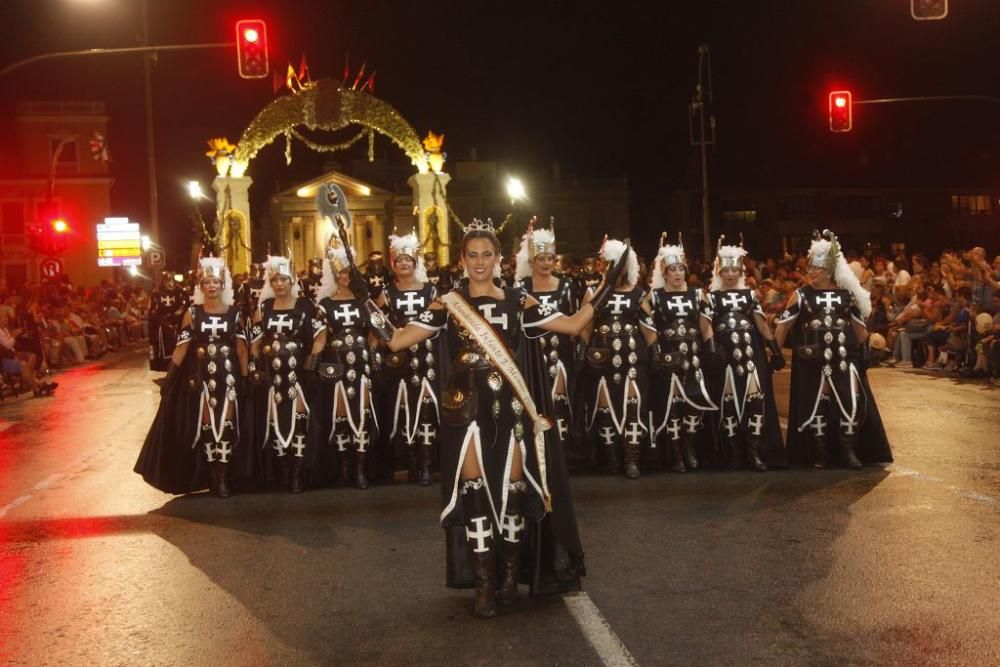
(251, 49)
(841, 111)
(60, 226)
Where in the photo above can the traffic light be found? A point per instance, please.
(928, 10)
(251, 49)
(50, 237)
(840, 107)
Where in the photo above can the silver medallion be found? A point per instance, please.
(683, 347)
(352, 375)
(414, 363)
(276, 363)
(828, 338)
(211, 385)
(696, 362)
(350, 357)
(843, 352)
(276, 380)
(617, 378)
(542, 343)
(292, 393)
(554, 340)
(616, 327)
(230, 381)
(278, 397)
(431, 374)
(633, 357)
(828, 321)
(735, 337)
(494, 381)
(348, 340)
(212, 368)
(828, 354)
(749, 351)
(840, 323)
(731, 322)
(291, 346)
(276, 346)
(553, 356)
(841, 338)
(213, 402)
(429, 359)
(740, 371)
(224, 350)
(516, 406)
(631, 343)
(751, 366)
(616, 361)
(737, 354)
(292, 362)
(682, 330)
(212, 349)
(843, 366)
(616, 344)
(351, 392)
(228, 365)
(632, 373)
(364, 355)
(231, 395)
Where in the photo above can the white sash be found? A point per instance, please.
(502, 360)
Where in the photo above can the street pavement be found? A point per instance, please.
(897, 565)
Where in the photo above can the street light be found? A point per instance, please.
(195, 191)
(515, 189)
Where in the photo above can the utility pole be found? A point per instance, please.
(697, 106)
(147, 68)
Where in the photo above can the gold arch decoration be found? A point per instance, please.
(326, 105)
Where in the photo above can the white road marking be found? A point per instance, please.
(20, 500)
(48, 481)
(957, 490)
(597, 631)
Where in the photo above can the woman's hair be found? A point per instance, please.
(481, 234)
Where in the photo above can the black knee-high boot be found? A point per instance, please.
(362, 441)
(730, 432)
(426, 435)
(298, 453)
(341, 439)
(675, 442)
(512, 543)
(848, 441)
(607, 439)
(482, 552)
(755, 430)
(631, 438)
(819, 428)
(692, 423)
(218, 454)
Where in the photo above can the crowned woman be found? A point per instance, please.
(536, 261)
(680, 340)
(281, 339)
(747, 419)
(832, 413)
(409, 379)
(194, 441)
(503, 481)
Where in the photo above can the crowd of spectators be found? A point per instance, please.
(56, 325)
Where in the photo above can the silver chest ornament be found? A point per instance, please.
(212, 349)
(292, 362)
(276, 363)
(212, 368)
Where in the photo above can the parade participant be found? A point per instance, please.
(748, 418)
(491, 479)
(376, 274)
(587, 279)
(614, 374)
(248, 296)
(831, 406)
(553, 351)
(436, 276)
(167, 305)
(311, 284)
(197, 425)
(281, 339)
(679, 341)
(346, 415)
(410, 376)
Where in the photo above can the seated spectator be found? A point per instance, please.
(20, 364)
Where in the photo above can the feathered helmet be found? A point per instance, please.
(728, 256)
(408, 246)
(612, 251)
(668, 255)
(278, 265)
(535, 242)
(825, 253)
(336, 261)
(213, 267)
(478, 225)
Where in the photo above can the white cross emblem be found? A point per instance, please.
(280, 325)
(482, 532)
(733, 300)
(280, 447)
(348, 314)
(513, 526)
(691, 423)
(222, 448)
(426, 316)
(632, 433)
(680, 305)
(167, 299)
(730, 426)
(607, 435)
(675, 429)
(216, 324)
(618, 303)
(848, 426)
(487, 310)
(376, 280)
(828, 299)
(427, 434)
(299, 445)
(563, 427)
(409, 305)
(545, 304)
(756, 424)
(819, 426)
(342, 440)
(362, 440)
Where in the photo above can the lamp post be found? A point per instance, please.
(516, 193)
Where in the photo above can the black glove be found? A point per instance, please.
(359, 286)
(611, 279)
(776, 360)
(173, 370)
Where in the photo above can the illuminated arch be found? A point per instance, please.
(324, 105)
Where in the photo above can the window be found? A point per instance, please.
(744, 212)
(966, 205)
(67, 156)
(855, 206)
(796, 207)
(12, 217)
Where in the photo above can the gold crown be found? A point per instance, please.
(433, 142)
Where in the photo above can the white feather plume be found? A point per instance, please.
(734, 251)
(271, 267)
(844, 277)
(226, 295)
(659, 280)
(523, 269)
(613, 250)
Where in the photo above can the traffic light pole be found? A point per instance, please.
(933, 98)
(698, 104)
(113, 52)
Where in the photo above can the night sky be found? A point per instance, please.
(602, 88)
